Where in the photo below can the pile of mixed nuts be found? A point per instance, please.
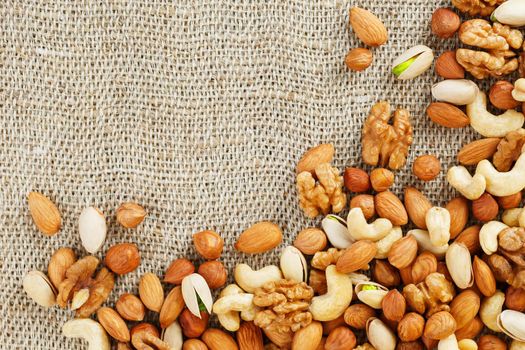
(442, 284)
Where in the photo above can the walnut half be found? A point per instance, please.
(477, 7)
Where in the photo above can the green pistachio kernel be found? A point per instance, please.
(400, 68)
(369, 287)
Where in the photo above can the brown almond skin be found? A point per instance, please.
(214, 273)
(459, 212)
(151, 292)
(249, 337)
(484, 278)
(448, 67)
(356, 315)
(366, 203)
(356, 180)
(217, 339)
(259, 238)
(393, 305)
(509, 202)
(411, 327)
(368, 27)
(417, 205)
(209, 244)
(447, 115)
(191, 325)
(491, 342)
(485, 208)
(464, 307)
(471, 330)
(113, 324)
(470, 238)
(424, 264)
(130, 307)
(474, 152)
(515, 299)
(45, 213)
(194, 344)
(440, 325)
(122, 258)
(172, 307)
(324, 153)
(500, 95)
(178, 269)
(390, 207)
(310, 241)
(385, 274)
(403, 252)
(357, 256)
(340, 338)
(145, 327)
(308, 337)
(406, 275)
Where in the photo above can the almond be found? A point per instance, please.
(464, 307)
(249, 337)
(259, 238)
(60, 261)
(403, 252)
(113, 324)
(485, 208)
(130, 215)
(410, 328)
(368, 28)
(366, 203)
(151, 292)
(309, 337)
(417, 205)
(123, 258)
(474, 152)
(440, 325)
(216, 339)
(388, 206)
(500, 95)
(385, 274)
(324, 153)
(209, 244)
(511, 201)
(447, 115)
(358, 59)
(356, 315)
(340, 338)
(356, 180)
(194, 344)
(172, 307)
(470, 238)
(424, 265)
(310, 241)
(178, 269)
(357, 256)
(471, 330)
(45, 213)
(484, 278)
(130, 307)
(214, 273)
(393, 305)
(448, 67)
(458, 209)
(406, 275)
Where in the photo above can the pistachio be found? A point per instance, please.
(337, 232)
(195, 289)
(379, 335)
(511, 12)
(39, 288)
(413, 62)
(371, 293)
(512, 323)
(92, 229)
(456, 91)
(293, 264)
(459, 265)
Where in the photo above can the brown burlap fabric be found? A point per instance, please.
(198, 110)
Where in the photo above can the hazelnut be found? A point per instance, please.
(358, 59)
(448, 67)
(509, 202)
(381, 179)
(411, 327)
(412, 345)
(485, 208)
(340, 338)
(191, 325)
(366, 203)
(329, 326)
(445, 23)
(356, 180)
(214, 273)
(515, 299)
(208, 244)
(357, 315)
(385, 274)
(426, 167)
(122, 258)
(500, 95)
(440, 325)
(491, 342)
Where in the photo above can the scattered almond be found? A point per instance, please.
(483, 277)
(470, 238)
(388, 206)
(485, 208)
(393, 305)
(178, 269)
(151, 292)
(310, 241)
(474, 152)
(113, 324)
(447, 115)
(309, 337)
(249, 337)
(216, 339)
(448, 67)
(403, 252)
(172, 307)
(424, 265)
(417, 205)
(464, 307)
(357, 256)
(45, 213)
(368, 28)
(259, 238)
(459, 212)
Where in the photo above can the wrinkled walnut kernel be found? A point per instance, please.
(322, 260)
(477, 7)
(500, 267)
(480, 33)
(431, 295)
(483, 64)
(512, 239)
(509, 150)
(383, 143)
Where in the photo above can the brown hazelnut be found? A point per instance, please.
(445, 23)
(394, 306)
(366, 203)
(385, 274)
(356, 180)
(485, 208)
(214, 273)
(411, 327)
(208, 244)
(509, 202)
(356, 315)
(317, 281)
(359, 59)
(340, 338)
(491, 342)
(515, 299)
(448, 67)
(426, 167)
(500, 95)
(381, 179)
(191, 325)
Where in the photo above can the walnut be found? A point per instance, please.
(512, 239)
(509, 150)
(322, 260)
(516, 257)
(501, 268)
(383, 143)
(518, 280)
(316, 198)
(477, 7)
(432, 295)
(144, 340)
(284, 306)
(80, 276)
(483, 64)
(480, 33)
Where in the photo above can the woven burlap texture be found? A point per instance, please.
(198, 110)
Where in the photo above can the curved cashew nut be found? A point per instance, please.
(490, 309)
(488, 236)
(329, 306)
(490, 125)
(249, 279)
(438, 225)
(518, 93)
(423, 241)
(503, 183)
(89, 330)
(230, 320)
(359, 229)
(471, 187)
(385, 243)
(512, 217)
(234, 302)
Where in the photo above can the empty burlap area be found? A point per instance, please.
(198, 110)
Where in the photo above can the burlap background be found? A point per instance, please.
(198, 110)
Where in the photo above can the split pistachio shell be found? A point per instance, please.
(194, 287)
(336, 231)
(385, 243)
(423, 241)
(511, 12)
(293, 264)
(358, 277)
(173, 336)
(413, 62)
(459, 265)
(456, 91)
(92, 228)
(448, 343)
(512, 323)
(39, 288)
(379, 335)
(371, 293)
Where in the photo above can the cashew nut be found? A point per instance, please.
(438, 225)
(359, 229)
(503, 183)
(250, 280)
(448, 343)
(518, 93)
(329, 306)
(385, 243)
(511, 217)
(235, 302)
(490, 125)
(89, 330)
(230, 320)
(423, 241)
(488, 236)
(490, 309)
(471, 187)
